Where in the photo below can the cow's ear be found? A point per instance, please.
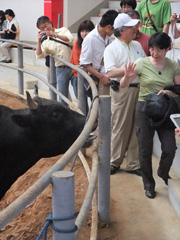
(21, 120)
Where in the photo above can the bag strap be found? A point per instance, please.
(59, 41)
(55, 40)
(152, 23)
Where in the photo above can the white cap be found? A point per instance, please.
(124, 20)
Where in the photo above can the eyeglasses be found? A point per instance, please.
(156, 50)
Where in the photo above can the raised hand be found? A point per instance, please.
(129, 75)
(130, 71)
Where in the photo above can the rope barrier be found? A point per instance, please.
(49, 222)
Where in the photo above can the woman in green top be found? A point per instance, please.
(155, 73)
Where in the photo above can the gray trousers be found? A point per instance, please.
(145, 136)
(123, 137)
(4, 50)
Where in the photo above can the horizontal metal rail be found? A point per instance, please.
(19, 43)
(73, 106)
(92, 177)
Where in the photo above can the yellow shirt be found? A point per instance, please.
(59, 50)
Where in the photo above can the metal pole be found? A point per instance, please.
(63, 201)
(104, 158)
(59, 20)
(82, 99)
(20, 74)
(53, 95)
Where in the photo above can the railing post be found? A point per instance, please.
(20, 74)
(82, 99)
(63, 201)
(53, 95)
(104, 158)
(59, 20)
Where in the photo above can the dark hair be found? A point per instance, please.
(10, 13)
(132, 13)
(2, 16)
(43, 19)
(117, 31)
(160, 40)
(87, 25)
(108, 18)
(131, 3)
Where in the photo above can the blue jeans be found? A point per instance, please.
(74, 83)
(63, 76)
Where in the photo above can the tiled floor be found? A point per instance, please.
(136, 217)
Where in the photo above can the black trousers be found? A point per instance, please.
(145, 136)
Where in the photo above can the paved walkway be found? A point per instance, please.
(136, 217)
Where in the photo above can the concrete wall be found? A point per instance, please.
(27, 13)
(77, 11)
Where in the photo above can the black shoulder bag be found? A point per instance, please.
(158, 109)
(9, 35)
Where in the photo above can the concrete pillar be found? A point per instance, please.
(104, 131)
(63, 200)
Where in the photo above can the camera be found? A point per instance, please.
(114, 85)
(43, 33)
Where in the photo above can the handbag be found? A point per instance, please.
(9, 35)
(158, 109)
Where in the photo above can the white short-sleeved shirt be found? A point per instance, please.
(118, 53)
(93, 47)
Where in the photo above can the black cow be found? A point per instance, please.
(45, 129)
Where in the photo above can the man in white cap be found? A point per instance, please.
(123, 101)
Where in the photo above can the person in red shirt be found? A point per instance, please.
(142, 38)
(84, 28)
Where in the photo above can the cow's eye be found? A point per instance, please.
(55, 114)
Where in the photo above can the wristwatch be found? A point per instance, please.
(56, 35)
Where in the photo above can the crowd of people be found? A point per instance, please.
(128, 67)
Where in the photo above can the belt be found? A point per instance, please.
(134, 85)
(63, 66)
